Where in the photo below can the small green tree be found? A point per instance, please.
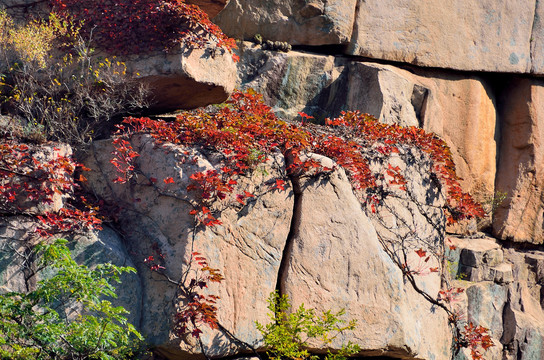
(42, 324)
(287, 335)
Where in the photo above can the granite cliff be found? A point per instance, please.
(469, 72)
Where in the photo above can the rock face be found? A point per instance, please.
(298, 22)
(459, 109)
(521, 168)
(334, 259)
(509, 303)
(491, 36)
(485, 35)
(210, 7)
(185, 79)
(90, 249)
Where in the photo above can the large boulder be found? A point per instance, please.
(336, 260)
(521, 163)
(332, 254)
(299, 22)
(185, 78)
(247, 248)
(485, 35)
(459, 109)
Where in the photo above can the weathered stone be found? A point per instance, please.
(478, 259)
(481, 252)
(484, 306)
(247, 248)
(502, 273)
(210, 7)
(335, 260)
(298, 22)
(183, 78)
(487, 35)
(459, 109)
(521, 163)
(22, 10)
(18, 268)
(342, 266)
(323, 86)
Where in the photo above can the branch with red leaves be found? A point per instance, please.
(31, 177)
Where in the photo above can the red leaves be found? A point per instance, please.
(421, 253)
(169, 180)
(27, 179)
(476, 337)
(200, 309)
(132, 26)
(386, 138)
(279, 184)
(304, 117)
(123, 159)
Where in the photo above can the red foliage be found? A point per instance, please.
(477, 338)
(200, 309)
(369, 131)
(133, 26)
(30, 177)
(246, 133)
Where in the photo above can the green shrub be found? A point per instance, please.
(287, 335)
(41, 324)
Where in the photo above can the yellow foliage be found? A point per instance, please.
(33, 41)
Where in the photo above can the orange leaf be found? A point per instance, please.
(421, 253)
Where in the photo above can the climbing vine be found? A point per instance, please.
(245, 133)
(34, 179)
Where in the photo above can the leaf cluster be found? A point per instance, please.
(126, 27)
(32, 177)
(66, 316)
(288, 333)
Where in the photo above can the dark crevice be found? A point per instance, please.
(532, 44)
(328, 50)
(293, 231)
(521, 246)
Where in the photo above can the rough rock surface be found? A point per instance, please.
(459, 109)
(298, 22)
(210, 7)
(343, 266)
(17, 270)
(185, 79)
(247, 249)
(489, 35)
(334, 257)
(513, 310)
(521, 167)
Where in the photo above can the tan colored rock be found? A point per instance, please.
(460, 109)
(298, 22)
(247, 248)
(343, 266)
(335, 260)
(521, 167)
(488, 35)
(185, 79)
(210, 7)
